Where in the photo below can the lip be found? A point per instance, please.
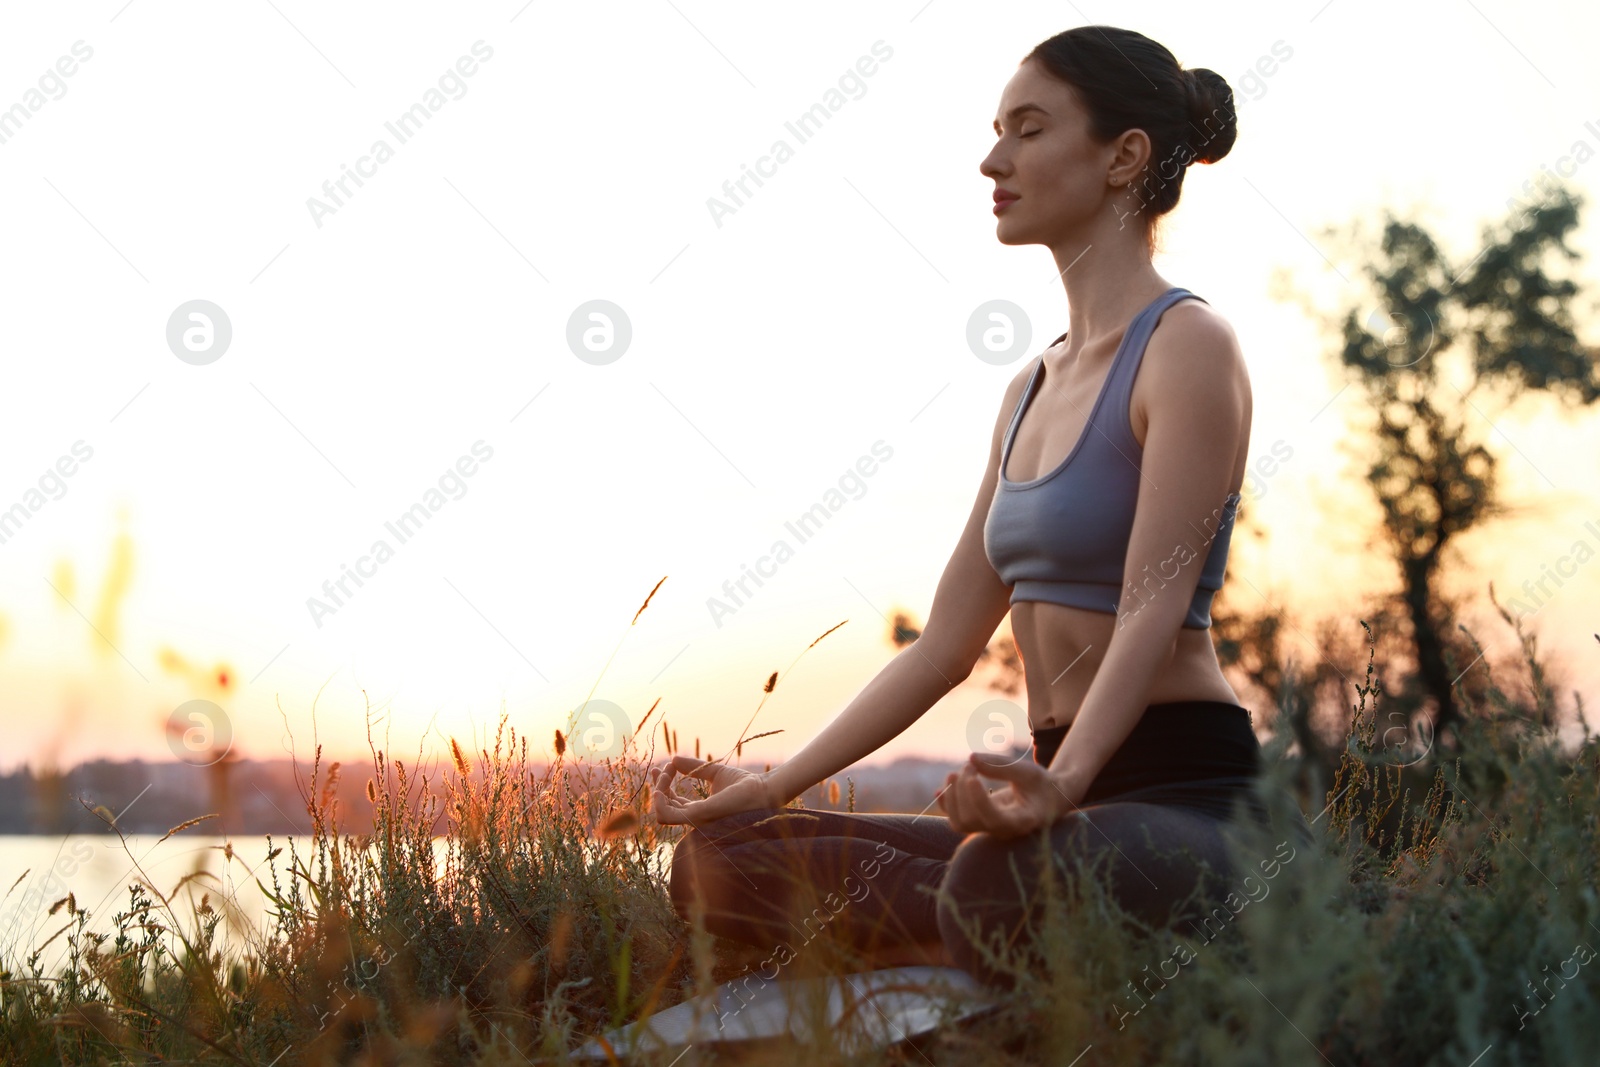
(1003, 199)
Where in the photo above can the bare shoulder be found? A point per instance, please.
(1193, 358)
(1194, 348)
(1191, 333)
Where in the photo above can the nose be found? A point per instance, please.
(994, 166)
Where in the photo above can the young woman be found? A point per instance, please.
(1102, 524)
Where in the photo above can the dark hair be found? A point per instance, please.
(1127, 81)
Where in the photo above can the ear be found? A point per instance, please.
(1130, 153)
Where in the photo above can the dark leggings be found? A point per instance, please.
(1151, 826)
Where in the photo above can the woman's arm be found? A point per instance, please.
(896, 697)
(968, 605)
(1198, 410)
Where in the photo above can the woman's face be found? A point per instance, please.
(1045, 157)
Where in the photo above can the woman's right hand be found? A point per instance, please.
(733, 790)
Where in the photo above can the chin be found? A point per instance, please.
(1008, 233)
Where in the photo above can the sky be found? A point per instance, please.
(536, 321)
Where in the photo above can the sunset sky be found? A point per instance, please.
(409, 336)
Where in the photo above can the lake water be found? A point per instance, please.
(97, 870)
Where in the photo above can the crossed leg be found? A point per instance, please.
(1152, 857)
(786, 876)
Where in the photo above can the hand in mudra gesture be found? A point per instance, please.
(1036, 798)
(733, 790)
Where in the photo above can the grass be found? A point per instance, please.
(496, 911)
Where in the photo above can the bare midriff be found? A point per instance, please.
(1062, 647)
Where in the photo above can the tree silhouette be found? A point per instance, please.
(1502, 326)
(1436, 347)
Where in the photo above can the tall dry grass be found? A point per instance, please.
(498, 910)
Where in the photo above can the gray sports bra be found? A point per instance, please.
(1063, 536)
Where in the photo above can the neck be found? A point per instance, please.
(1108, 277)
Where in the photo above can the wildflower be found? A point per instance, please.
(188, 823)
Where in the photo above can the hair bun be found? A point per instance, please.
(1213, 121)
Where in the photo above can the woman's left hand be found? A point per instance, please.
(1036, 798)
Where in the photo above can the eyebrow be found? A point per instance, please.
(1019, 109)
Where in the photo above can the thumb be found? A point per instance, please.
(693, 766)
(1009, 768)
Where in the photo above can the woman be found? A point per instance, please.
(1102, 524)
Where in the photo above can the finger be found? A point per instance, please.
(975, 799)
(666, 773)
(975, 802)
(958, 823)
(667, 793)
(701, 812)
(680, 809)
(693, 766)
(1013, 770)
(712, 808)
(662, 785)
(997, 807)
(665, 809)
(1023, 816)
(1005, 800)
(1008, 814)
(948, 798)
(685, 767)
